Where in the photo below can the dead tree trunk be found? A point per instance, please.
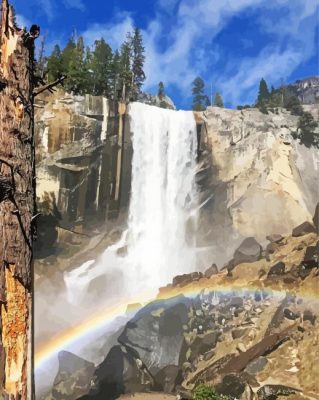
(17, 206)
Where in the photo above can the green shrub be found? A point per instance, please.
(306, 130)
(205, 392)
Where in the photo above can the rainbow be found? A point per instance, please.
(91, 325)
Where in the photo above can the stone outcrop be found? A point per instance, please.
(157, 334)
(254, 178)
(83, 156)
(74, 377)
(249, 251)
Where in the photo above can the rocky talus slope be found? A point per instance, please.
(250, 331)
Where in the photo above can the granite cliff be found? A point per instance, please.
(253, 176)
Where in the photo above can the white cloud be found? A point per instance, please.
(114, 33)
(49, 7)
(79, 4)
(190, 31)
(22, 21)
(270, 64)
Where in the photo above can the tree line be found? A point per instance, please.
(117, 75)
(270, 100)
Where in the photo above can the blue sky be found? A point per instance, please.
(231, 44)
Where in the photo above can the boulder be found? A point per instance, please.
(310, 259)
(309, 316)
(256, 366)
(290, 314)
(249, 251)
(236, 302)
(74, 377)
(277, 269)
(271, 248)
(316, 218)
(233, 386)
(241, 347)
(184, 394)
(203, 344)
(272, 392)
(157, 333)
(239, 332)
(303, 229)
(168, 378)
(213, 270)
(258, 296)
(121, 372)
(182, 280)
(274, 238)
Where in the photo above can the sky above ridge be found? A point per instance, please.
(231, 44)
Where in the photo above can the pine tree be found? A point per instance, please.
(292, 104)
(67, 55)
(77, 75)
(100, 67)
(161, 90)
(115, 81)
(306, 130)
(125, 72)
(137, 58)
(200, 99)
(263, 94)
(218, 101)
(54, 65)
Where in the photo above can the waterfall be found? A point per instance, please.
(161, 232)
(159, 241)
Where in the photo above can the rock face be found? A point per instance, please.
(163, 102)
(254, 178)
(307, 90)
(78, 141)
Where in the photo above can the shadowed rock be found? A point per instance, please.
(213, 270)
(277, 269)
(274, 238)
(316, 218)
(121, 372)
(74, 378)
(156, 333)
(203, 343)
(249, 251)
(235, 387)
(169, 378)
(272, 392)
(303, 229)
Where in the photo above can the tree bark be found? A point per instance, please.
(17, 206)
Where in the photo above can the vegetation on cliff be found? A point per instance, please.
(115, 74)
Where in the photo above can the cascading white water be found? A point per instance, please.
(161, 229)
(160, 237)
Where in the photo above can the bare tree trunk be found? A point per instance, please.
(17, 206)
